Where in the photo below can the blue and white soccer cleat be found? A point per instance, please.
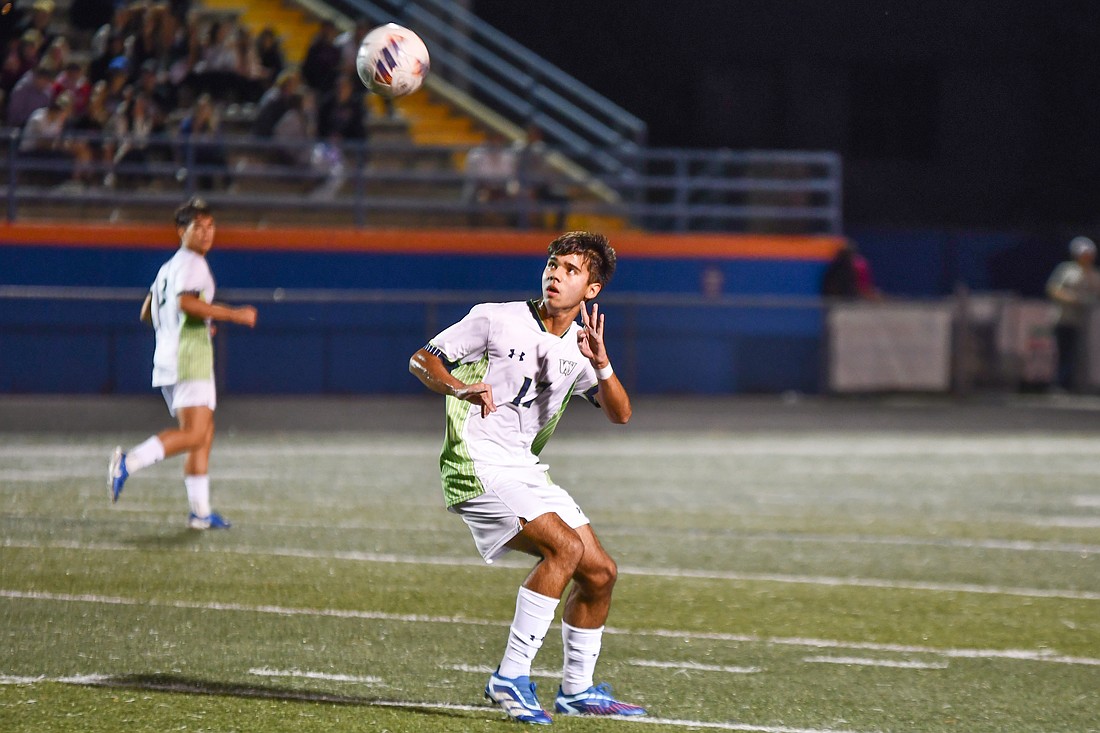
(594, 701)
(517, 697)
(214, 521)
(116, 473)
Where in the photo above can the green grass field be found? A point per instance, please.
(815, 581)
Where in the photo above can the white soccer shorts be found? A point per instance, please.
(190, 393)
(493, 517)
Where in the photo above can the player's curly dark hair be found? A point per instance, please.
(595, 248)
(189, 211)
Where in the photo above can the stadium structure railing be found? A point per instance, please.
(470, 55)
(399, 183)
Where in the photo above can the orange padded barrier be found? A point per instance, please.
(424, 241)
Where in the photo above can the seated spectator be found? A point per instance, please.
(114, 48)
(30, 93)
(73, 80)
(39, 20)
(249, 71)
(21, 57)
(131, 126)
(293, 132)
(44, 138)
(202, 146)
(539, 181)
(341, 117)
(91, 126)
(490, 175)
(275, 102)
(269, 52)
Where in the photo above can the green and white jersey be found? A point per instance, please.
(184, 349)
(533, 374)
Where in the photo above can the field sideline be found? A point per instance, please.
(786, 566)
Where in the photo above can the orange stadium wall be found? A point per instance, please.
(96, 345)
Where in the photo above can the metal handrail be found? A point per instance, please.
(672, 190)
(514, 81)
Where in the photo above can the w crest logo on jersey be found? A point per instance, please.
(567, 366)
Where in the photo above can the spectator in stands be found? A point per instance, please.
(341, 116)
(154, 40)
(1075, 287)
(151, 84)
(539, 181)
(849, 276)
(269, 52)
(202, 145)
(72, 79)
(91, 126)
(39, 20)
(44, 138)
(118, 83)
(21, 57)
(490, 176)
(275, 102)
(114, 48)
(131, 126)
(294, 131)
(56, 54)
(30, 93)
(250, 73)
(322, 62)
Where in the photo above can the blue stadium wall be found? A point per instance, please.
(662, 341)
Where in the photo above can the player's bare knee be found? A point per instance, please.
(600, 577)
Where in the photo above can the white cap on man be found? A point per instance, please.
(1079, 246)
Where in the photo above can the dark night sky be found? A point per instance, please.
(947, 112)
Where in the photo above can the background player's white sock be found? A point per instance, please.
(582, 649)
(198, 494)
(534, 613)
(144, 454)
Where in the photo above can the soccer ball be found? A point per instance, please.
(392, 61)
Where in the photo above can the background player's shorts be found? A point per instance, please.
(190, 393)
(493, 517)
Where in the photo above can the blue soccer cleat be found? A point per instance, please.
(214, 521)
(594, 701)
(517, 698)
(116, 473)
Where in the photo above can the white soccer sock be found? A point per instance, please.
(582, 649)
(198, 494)
(534, 613)
(144, 454)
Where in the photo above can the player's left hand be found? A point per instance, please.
(590, 337)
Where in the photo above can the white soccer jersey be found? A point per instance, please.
(533, 374)
(184, 349)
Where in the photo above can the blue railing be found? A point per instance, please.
(403, 184)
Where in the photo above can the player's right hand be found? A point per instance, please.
(246, 316)
(478, 394)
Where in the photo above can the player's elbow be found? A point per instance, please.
(620, 416)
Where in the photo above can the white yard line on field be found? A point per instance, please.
(1025, 655)
(867, 662)
(824, 580)
(297, 673)
(693, 666)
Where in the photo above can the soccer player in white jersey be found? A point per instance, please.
(507, 371)
(180, 306)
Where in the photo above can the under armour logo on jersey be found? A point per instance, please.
(567, 366)
(512, 354)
